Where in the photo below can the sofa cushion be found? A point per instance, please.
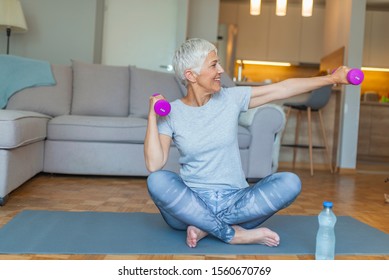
(244, 137)
(49, 100)
(18, 128)
(227, 81)
(145, 83)
(246, 118)
(111, 129)
(100, 90)
(97, 129)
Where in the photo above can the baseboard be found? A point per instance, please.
(346, 171)
(303, 165)
(316, 166)
(3, 200)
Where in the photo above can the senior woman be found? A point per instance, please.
(210, 195)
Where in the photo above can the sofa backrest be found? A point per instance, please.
(145, 83)
(100, 90)
(49, 100)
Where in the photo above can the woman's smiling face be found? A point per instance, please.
(210, 73)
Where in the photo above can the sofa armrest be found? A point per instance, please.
(266, 130)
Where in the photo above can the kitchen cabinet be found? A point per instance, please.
(312, 36)
(284, 36)
(364, 130)
(253, 32)
(376, 40)
(290, 38)
(373, 140)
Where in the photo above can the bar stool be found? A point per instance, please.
(317, 100)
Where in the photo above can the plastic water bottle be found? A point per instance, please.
(325, 239)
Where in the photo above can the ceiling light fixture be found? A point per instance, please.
(307, 8)
(281, 7)
(255, 7)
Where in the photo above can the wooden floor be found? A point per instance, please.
(359, 195)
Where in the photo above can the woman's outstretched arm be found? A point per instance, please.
(290, 87)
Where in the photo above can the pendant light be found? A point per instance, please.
(255, 7)
(281, 7)
(307, 8)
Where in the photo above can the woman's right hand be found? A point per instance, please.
(153, 99)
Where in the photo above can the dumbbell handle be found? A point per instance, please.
(162, 107)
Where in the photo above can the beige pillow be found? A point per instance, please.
(100, 90)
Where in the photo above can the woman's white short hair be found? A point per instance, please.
(191, 55)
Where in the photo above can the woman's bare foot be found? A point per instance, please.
(262, 236)
(194, 235)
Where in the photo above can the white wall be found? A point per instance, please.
(137, 32)
(203, 19)
(58, 31)
(144, 33)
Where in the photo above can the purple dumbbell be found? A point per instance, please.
(162, 107)
(355, 76)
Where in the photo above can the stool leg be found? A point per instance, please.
(310, 138)
(286, 121)
(296, 137)
(323, 132)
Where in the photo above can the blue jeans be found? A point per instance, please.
(215, 211)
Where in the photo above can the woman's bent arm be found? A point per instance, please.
(156, 146)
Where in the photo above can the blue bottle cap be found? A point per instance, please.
(328, 204)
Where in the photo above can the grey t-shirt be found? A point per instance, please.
(207, 139)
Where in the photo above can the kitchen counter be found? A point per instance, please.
(251, 84)
(374, 103)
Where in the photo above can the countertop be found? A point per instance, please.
(374, 103)
(250, 84)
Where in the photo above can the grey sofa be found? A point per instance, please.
(93, 122)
